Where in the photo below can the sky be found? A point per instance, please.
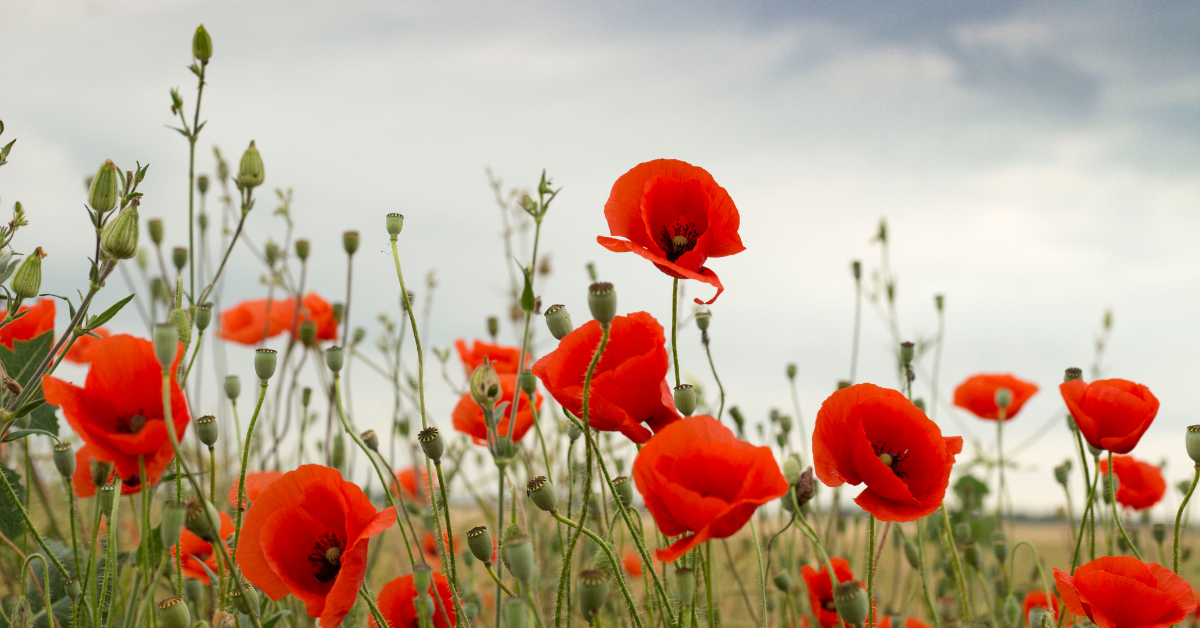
(1037, 164)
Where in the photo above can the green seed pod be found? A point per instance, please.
(541, 491)
(906, 352)
(105, 191)
(481, 544)
(264, 363)
(623, 490)
(1003, 398)
(527, 382)
(233, 387)
(339, 311)
(394, 223)
(783, 581)
(685, 399)
(335, 358)
(155, 227)
(1072, 374)
(703, 318)
(201, 45)
(370, 440)
(850, 600)
(350, 241)
(910, 553)
(64, 459)
(559, 321)
(1160, 533)
(207, 430)
(203, 316)
(73, 588)
(272, 252)
(174, 613)
(493, 323)
(102, 470)
(593, 591)
(685, 582)
(1061, 474)
(422, 577)
(471, 610)
(200, 517)
(1192, 442)
(791, 469)
(785, 502)
(518, 555)
(962, 532)
(308, 333)
(174, 515)
(1000, 547)
(919, 403)
(302, 250)
(179, 257)
(245, 600)
(193, 592)
(27, 281)
(431, 443)
(1109, 479)
(973, 555)
(843, 384)
(337, 451)
(250, 170)
(119, 239)
(166, 344)
(514, 612)
(785, 423)
(791, 371)
(573, 431)
(183, 324)
(602, 301)
(1012, 610)
(856, 269)
(358, 336)
(202, 185)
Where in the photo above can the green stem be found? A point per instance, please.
(762, 577)
(1083, 521)
(1036, 561)
(633, 612)
(674, 325)
(1179, 516)
(708, 583)
(958, 568)
(500, 468)
(1112, 493)
(365, 594)
(12, 493)
(241, 494)
(871, 567)
(499, 583)
(937, 619)
(449, 530)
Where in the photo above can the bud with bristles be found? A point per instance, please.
(105, 191)
(559, 321)
(337, 452)
(201, 45)
(602, 301)
(264, 363)
(480, 542)
(422, 577)
(64, 459)
(573, 431)
(250, 170)
(1012, 610)
(527, 382)
(518, 555)
(1038, 615)
(174, 613)
(119, 239)
(783, 581)
(541, 491)
(593, 591)
(973, 555)
(515, 615)
(27, 281)
(685, 582)
(183, 326)
(207, 430)
(394, 223)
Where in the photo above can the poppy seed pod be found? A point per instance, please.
(250, 171)
(72, 587)
(370, 440)
(166, 344)
(155, 227)
(479, 540)
(337, 451)
(272, 252)
(920, 404)
(431, 443)
(623, 490)
(541, 491)
(527, 382)
(910, 554)
(245, 599)
(202, 185)
(1192, 442)
(518, 555)
(350, 241)
(1061, 474)
(1160, 533)
(559, 321)
(783, 581)
(302, 249)
(339, 311)
(119, 239)
(602, 301)
(791, 371)
(785, 423)
(174, 613)
(335, 358)
(308, 333)
(1012, 610)
(906, 352)
(106, 495)
(593, 591)
(685, 582)
(102, 470)
(1072, 374)
(201, 45)
(856, 270)
(685, 399)
(1000, 547)
(201, 515)
(493, 323)
(394, 223)
(850, 600)
(64, 459)
(203, 316)
(703, 318)
(422, 577)
(1003, 397)
(27, 281)
(962, 532)
(973, 555)
(514, 612)
(264, 363)
(193, 591)
(105, 189)
(179, 257)
(233, 387)
(174, 515)
(207, 430)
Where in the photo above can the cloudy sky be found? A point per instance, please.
(1037, 164)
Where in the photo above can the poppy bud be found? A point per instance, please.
(233, 387)
(166, 344)
(541, 491)
(685, 582)
(493, 326)
(1061, 473)
(431, 443)
(962, 532)
(791, 371)
(201, 516)
(514, 612)
(119, 239)
(106, 496)
(101, 471)
(485, 385)
(1000, 546)
(1160, 533)
(203, 316)
(202, 184)
(785, 423)
(1192, 442)
(1012, 610)
(155, 227)
(105, 190)
(1111, 484)
(183, 326)
(906, 352)
(27, 281)
(335, 358)
(479, 540)
(174, 515)
(573, 431)
(272, 252)
(302, 249)
(337, 451)
(740, 421)
(73, 588)
(193, 591)
(206, 429)
(518, 555)
(527, 382)
(21, 615)
(856, 270)
(623, 490)
(850, 600)
(179, 257)
(910, 553)
(350, 241)
(920, 404)
(394, 223)
(973, 555)
(1038, 617)
(64, 459)
(593, 591)
(201, 45)
(602, 301)
(1003, 398)
(308, 333)
(422, 577)
(791, 469)
(264, 363)
(1072, 374)
(370, 440)
(339, 310)
(685, 399)
(783, 581)
(471, 610)
(250, 170)
(842, 383)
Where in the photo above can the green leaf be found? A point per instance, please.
(43, 418)
(107, 315)
(274, 619)
(23, 359)
(19, 434)
(12, 524)
(29, 407)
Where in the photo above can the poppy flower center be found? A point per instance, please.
(891, 459)
(677, 239)
(131, 424)
(326, 557)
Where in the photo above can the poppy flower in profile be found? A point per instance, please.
(504, 358)
(1140, 485)
(629, 385)
(675, 215)
(81, 480)
(256, 483)
(1124, 592)
(307, 535)
(413, 484)
(978, 394)
(119, 410)
(697, 477)
(632, 564)
(820, 589)
(1112, 414)
(196, 550)
(468, 416)
(1037, 599)
(251, 322)
(38, 321)
(81, 350)
(396, 603)
(874, 436)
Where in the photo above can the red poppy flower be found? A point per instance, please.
(246, 322)
(820, 589)
(697, 477)
(256, 483)
(468, 416)
(1140, 485)
(1037, 598)
(81, 350)
(119, 410)
(432, 551)
(81, 481)
(38, 321)
(872, 435)
(675, 215)
(978, 394)
(312, 308)
(307, 535)
(629, 385)
(396, 603)
(1124, 592)
(196, 551)
(1112, 414)
(632, 563)
(909, 622)
(413, 487)
(504, 359)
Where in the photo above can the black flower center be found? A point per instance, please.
(326, 557)
(677, 239)
(891, 459)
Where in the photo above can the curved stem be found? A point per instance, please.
(499, 583)
(1112, 493)
(365, 594)
(1179, 515)
(241, 494)
(1036, 561)
(637, 620)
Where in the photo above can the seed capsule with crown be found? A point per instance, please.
(685, 399)
(559, 321)
(64, 459)
(394, 223)
(174, 613)
(602, 301)
(264, 363)
(541, 491)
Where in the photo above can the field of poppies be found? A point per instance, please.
(585, 485)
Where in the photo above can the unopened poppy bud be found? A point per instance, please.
(102, 470)
(339, 311)
(906, 352)
(783, 581)
(493, 326)
(559, 321)
(919, 403)
(183, 326)
(739, 420)
(207, 430)
(201, 516)
(174, 613)
(786, 502)
(1061, 473)
(541, 491)
(350, 241)
(302, 250)
(179, 257)
(1072, 374)
(791, 371)
(27, 281)
(105, 190)
(1012, 610)
(685, 582)
(233, 387)
(685, 399)
(623, 490)
(272, 252)
(221, 619)
(973, 555)
(264, 363)
(479, 540)
(155, 227)
(785, 423)
(370, 440)
(201, 45)
(308, 333)
(250, 170)
(518, 555)
(394, 223)
(514, 612)
(21, 615)
(422, 577)
(174, 515)
(1192, 442)
(334, 359)
(856, 270)
(911, 555)
(64, 459)
(1000, 547)
(573, 431)
(73, 588)
(202, 184)
(527, 382)
(1159, 531)
(193, 591)
(203, 316)
(337, 451)
(485, 384)
(471, 610)
(791, 469)
(602, 301)
(431, 443)
(842, 383)
(1038, 616)
(962, 532)
(166, 344)
(593, 591)
(119, 238)
(850, 600)
(1111, 484)
(1003, 398)
(106, 496)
